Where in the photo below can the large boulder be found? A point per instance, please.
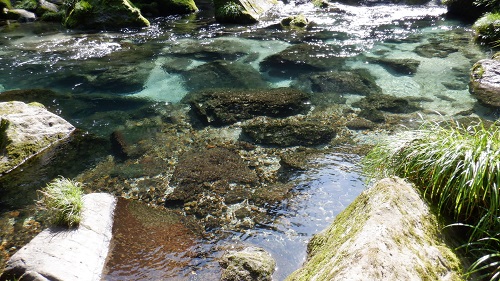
(227, 106)
(95, 14)
(485, 82)
(249, 264)
(464, 9)
(240, 11)
(26, 130)
(68, 254)
(387, 233)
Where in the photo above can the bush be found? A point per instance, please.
(487, 28)
(458, 169)
(62, 201)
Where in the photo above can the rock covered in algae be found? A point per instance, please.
(227, 106)
(249, 264)
(387, 233)
(241, 11)
(26, 130)
(485, 82)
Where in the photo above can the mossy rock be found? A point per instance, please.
(240, 11)
(486, 28)
(94, 14)
(485, 82)
(298, 22)
(388, 233)
(157, 8)
(398, 66)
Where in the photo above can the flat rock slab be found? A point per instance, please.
(26, 130)
(68, 254)
(387, 233)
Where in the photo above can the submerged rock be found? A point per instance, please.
(357, 82)
(249, 264)
(227, 106)
(399, 66)
(216, 49)
(289, 132)
(485, 82)
(96, 14)
(304, 58)
(215, 165)
(26, 130)
(224, 74)
(68, 254)
(387, 103)
(435, 50)
(387, 233)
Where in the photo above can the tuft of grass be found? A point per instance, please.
(62, 201)
(230, 10)
(458, 169)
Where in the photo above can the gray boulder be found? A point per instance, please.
(387, 233)
(21, 15)
(68, 254)
(249, 264)
(26, 130)
(485, 82)
(227, 106)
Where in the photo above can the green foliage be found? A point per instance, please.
(29, 5)
(229, 10)
(495, 4)
(487, 28)
(62, 201)
(5, 4)
(458, 168)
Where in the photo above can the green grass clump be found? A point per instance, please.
(487, 28)
(62, 201)
(230, 10)
(458, 169)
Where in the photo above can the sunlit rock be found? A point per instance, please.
(62, 254)
(94, 14)
(295, 22)
(249, 264)
(485, 82)
(240, 11)
(20, 15)
(387, 233)
(26, 130)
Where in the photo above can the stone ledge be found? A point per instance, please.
(68, 254)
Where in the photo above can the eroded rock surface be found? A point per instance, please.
(26, 130)
(387, 233)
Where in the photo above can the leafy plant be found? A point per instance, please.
(230, 10)
(62, 201)
(458, 168)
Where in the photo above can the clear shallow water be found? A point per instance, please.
(153, 65)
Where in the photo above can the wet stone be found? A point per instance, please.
(197, 169)
(357, 82)
(435, 50)
(289, 132)
(224, 74)
(248, 264)
(304, 58)
(485, 82)
(387, 103)
(209, 50)
(399, 66)
(227, 106)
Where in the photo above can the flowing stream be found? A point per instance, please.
(97, 72)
